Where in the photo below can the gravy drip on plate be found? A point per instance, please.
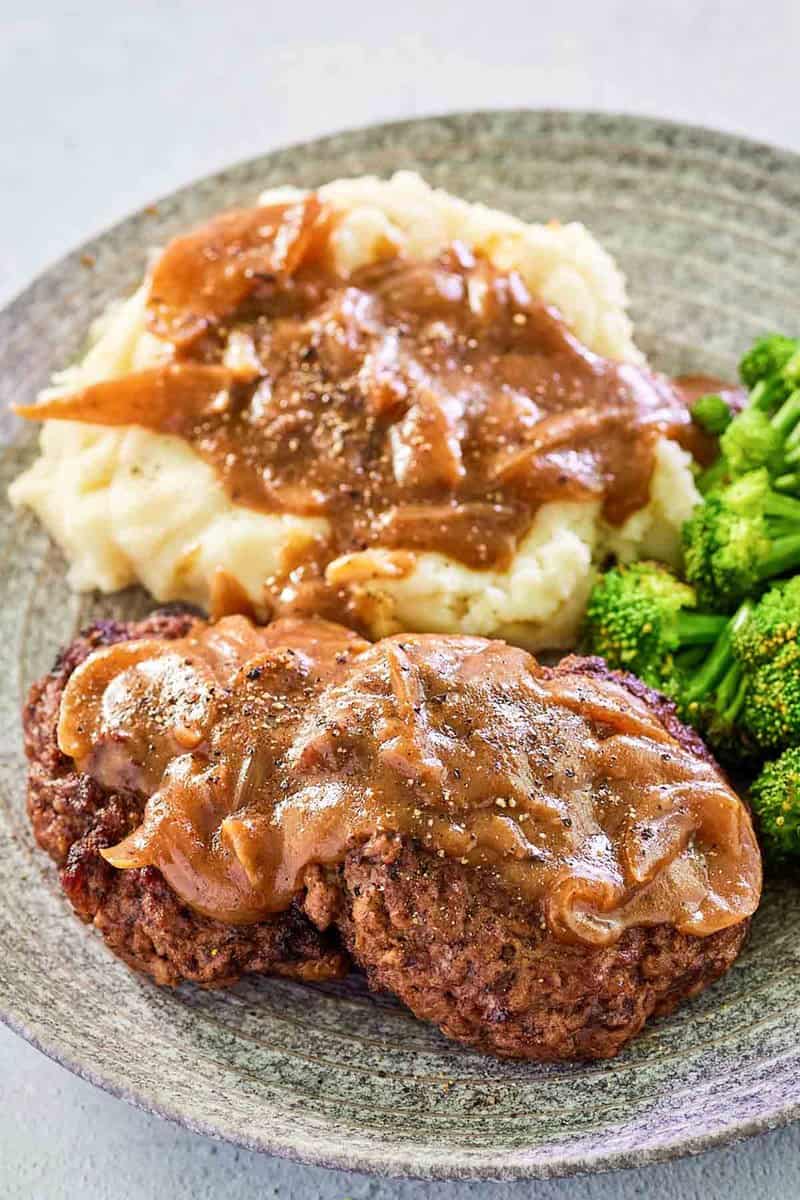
(420, 406)
(264, 750)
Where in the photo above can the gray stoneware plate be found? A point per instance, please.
(707, 228)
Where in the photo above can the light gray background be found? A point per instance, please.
(107, 105)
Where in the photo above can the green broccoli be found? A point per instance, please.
(767, 432)
(712, 413)
(640, 617)
(745, 697)
(712, 695)
(771, 710)
(767, 357)
(774, 390)
(739, 537)
(735, 679)
(753, 439)
(766, 647)
(791, 447)
(775, 797)
(773, 622)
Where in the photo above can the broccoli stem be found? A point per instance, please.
(787, 416)
(713, 669)
(698, 629)
(787, 483)
(785, 507)
(767, 393)
(737, 701)
(784, 554)
(728, 685)
(731, 693)
(693, 656)
(791, 455)
(720, 659)
(712, 475)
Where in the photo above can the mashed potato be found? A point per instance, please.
(128, 505)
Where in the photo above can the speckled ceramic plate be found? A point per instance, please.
(707, 228)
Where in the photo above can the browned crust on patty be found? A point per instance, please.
(455, 948)
(484, 968)
(140, 917)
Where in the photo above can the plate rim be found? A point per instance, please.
(453, 115)
(514, 1166)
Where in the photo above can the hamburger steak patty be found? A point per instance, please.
(454, 947)
(140, 917)
(481, 966)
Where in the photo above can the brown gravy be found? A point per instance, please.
(264, 750)
(418, 406)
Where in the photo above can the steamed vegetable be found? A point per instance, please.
(771, 368)
(775, 797)
(745, 696)
(711, 699)
(753, 439)
(773, 623)
(640, 618)
(771, 709)
(712, 413)
(724, 644)
(741, 536)
(735, 679)
(766, 433)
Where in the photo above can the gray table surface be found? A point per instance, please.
(106, 106)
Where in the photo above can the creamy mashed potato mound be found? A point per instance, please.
(128, 505)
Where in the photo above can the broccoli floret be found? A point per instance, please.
(735, 679)
(775, 797)
(771, 711)
(766, 357)
(640, 617)
(745, 697)
(739, 537)
(774, 390)
(712, 413)
(773, 623)
(751, 441)
(767, 432)
(754, 439)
